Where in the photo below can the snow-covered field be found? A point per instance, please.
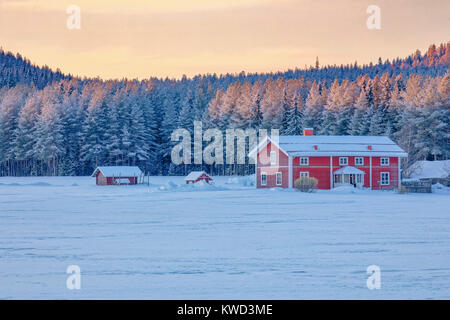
(168, 241)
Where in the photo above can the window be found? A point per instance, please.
(273, 157)
(385, 178)
(384, 161)
(359, 178)
(343, 161)
(304, 161)
(263, 179)
(279, 178)
(304, 174)
(359, 161)
(337, 178)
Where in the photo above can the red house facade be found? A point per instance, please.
(196, 176)
(117, 175)
(362, 161)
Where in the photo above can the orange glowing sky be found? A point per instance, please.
(144, 38)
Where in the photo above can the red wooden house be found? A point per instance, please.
(117, 175)
(363, 161)
(196, 176)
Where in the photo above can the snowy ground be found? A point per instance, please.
(227, 241)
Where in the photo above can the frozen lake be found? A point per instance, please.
(226, 242)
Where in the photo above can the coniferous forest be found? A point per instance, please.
(56, 124)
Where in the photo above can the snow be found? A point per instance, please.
(242, 180)
(168, 240)
(122, 180)
(440, 188)
(364, 140)
(198, 186)
(430, 169)
(348, 170)
(345, 189)
(118, 171)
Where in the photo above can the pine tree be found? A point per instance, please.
(24, 135)
(294, 119)
(11, 102)
(49, 146)
(314, 107)
(272, 103)
(93, 151)
(355, 122)
(72, 119)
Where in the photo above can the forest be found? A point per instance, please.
(53, 123)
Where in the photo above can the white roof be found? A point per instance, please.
(430, 169)
(339, 146)
(194, 175)
(348, 170)
(118, 171)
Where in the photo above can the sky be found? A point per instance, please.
(172, 38)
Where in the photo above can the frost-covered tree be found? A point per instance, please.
(314, 106)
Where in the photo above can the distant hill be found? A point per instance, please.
(14, 70)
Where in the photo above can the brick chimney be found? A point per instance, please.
(308, 131)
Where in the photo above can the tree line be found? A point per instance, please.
(52, 124)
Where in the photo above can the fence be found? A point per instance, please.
(417, 186)
(443, 181)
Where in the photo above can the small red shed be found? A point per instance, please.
(196, 176)
(117, 175)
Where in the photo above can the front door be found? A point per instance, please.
(352, 179)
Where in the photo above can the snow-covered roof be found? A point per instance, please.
(118, 171)
(348, 170)
(430, 169)
(194, 175)
(339, 146)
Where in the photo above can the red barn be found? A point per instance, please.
(117, 175)
(196, 176)
(363, 161)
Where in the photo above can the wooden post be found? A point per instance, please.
(291, 182)
(331, 172)
(256, 168)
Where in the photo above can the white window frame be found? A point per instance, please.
(265, 175)
(304, 174)
(388, 178)
(281, 178)
(346, 161)
(307, 161)
(362, 161)
(273, 158)
(384, 164)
